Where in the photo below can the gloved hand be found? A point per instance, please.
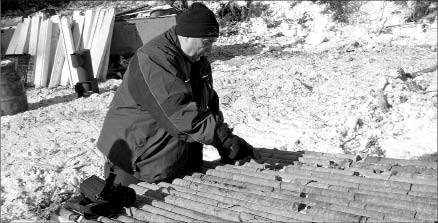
(239, 149)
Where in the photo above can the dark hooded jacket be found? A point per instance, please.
(162, 113)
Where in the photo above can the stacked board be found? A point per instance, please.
(51, 40)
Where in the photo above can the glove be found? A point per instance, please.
(239, 149)
(224, 153)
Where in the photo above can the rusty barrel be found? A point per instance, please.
(12, 94)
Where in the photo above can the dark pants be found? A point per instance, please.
(122, 177)
(125, 178)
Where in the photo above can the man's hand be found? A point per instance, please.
(239, 149)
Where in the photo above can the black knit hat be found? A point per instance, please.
(197, 21)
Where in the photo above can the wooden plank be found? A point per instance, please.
(53, 38)
(13, 44)
(46, 53)
(33, 45)
(5, 38)
(93, 39)
(58, 64)
(89, 18)
(69, 48)
(33, 39)
(101, 40)
(75, 27)
(65, 74)
(27, 41)
(103, 73)
(23, 40)
(40, 53)
(97, 21)
(58, 57)
(65, 70)
(56, 19)
(78, 26)
(103, 68)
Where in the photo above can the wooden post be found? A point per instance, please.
(53, 39)
(65, 73)
(23, 39)
(46, 53)
(58, 55)
(78, 26)
(58, 63)
(69, 48)
(101, 41)
(94, 26)
(103, 66)
(14, 40)
(40, 56)
(88, 22)
(33, 39)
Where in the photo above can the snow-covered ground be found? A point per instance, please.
(309, 85)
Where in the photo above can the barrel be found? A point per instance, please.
(12, 94)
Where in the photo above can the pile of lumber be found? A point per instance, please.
(50, 40)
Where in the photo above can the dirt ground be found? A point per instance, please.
(282, 91)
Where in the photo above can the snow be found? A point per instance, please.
(312, 88)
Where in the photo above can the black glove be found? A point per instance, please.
(224, 153)
(239, 149)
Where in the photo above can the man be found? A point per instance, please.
(166, 109)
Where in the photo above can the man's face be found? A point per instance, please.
(200, 47)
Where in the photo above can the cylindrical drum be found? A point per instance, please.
(12, 94)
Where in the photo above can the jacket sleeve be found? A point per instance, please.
(160, 89)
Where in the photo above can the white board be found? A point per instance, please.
(14, 40)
